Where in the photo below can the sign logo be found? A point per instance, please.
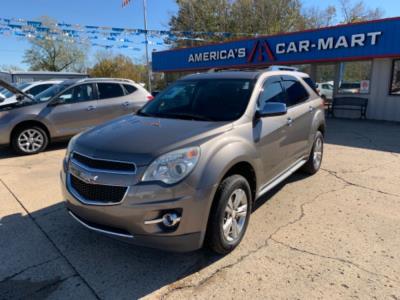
(261, 50)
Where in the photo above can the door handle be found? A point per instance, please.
(310, 108)
(289, 121)
(125, 104)
(90, 108)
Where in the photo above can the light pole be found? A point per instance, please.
(147, 45)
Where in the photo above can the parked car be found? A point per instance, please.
(326, 90)
(31, 88)
(188, 167)
(349, 87)
(65, 110)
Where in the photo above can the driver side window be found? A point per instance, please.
(78, 93)
(272, 92)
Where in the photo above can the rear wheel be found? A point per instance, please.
(314, 161)
(29, 140)
(230, 214)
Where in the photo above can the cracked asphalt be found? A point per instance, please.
(334, 235)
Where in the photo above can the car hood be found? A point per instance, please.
(142, 139)
(13, 89)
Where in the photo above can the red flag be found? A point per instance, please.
(125, 2)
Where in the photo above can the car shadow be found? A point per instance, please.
(367, 134)
(7, 152)
(112, 268)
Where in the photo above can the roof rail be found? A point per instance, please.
(108, 78)
(282, 68)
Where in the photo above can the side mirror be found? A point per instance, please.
(271, 109)
(19, 97)
(57, 101)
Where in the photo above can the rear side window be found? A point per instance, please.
(311, 84)
(296, 92)
(110, 90)
(130, 89)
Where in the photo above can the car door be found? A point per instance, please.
(299, 117)
(73, 111)
(113, 101)
(271, 132)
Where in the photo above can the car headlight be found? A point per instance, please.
(173, 166)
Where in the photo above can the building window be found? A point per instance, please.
(395, 82)
(355, 77)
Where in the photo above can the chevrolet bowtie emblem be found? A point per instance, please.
(87, 177)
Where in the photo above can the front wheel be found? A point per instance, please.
(29, 140)
(314, 161)
(230, 214)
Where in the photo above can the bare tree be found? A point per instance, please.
(316, 17)
(357, 11)
(50, 54)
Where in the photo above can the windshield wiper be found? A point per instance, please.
(186, 116)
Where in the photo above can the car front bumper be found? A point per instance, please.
(144, 202)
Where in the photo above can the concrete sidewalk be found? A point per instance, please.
(333, 235)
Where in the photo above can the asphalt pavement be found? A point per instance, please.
(333, 235)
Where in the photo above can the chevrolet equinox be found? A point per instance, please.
(186, 169)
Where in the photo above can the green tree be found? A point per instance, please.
(49, 54)
(117, 66)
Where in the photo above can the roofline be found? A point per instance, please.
(283, 34)
(42, 73)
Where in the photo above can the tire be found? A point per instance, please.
(36, 140)
(232, 188)
(314, 161)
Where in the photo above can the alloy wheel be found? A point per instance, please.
(317, 155)
(235, 215)
(31, 140)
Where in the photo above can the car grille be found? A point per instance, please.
(97, 192)
(108, 165)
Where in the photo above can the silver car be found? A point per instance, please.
(64, 110)
(188, 167)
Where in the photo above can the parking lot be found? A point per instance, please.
(332, 235)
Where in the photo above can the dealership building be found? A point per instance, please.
(357, 60)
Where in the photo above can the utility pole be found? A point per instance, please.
(147, 45)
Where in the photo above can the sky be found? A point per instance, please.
(111, 13)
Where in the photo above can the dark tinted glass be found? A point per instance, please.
(272, 92)
(208, 99)
(110, 90)
(296, 93)
(38, 89)
(53, 91)
(395, 86)
(129, 88)
(311, 83)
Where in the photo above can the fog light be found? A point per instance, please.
(169, 220)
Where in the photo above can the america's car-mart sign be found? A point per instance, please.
(345, 42)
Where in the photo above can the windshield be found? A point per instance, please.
(51, 92)
(203, 100)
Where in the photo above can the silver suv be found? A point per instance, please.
(64, 110)
(188, 167)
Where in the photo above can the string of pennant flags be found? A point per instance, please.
(102, 36)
